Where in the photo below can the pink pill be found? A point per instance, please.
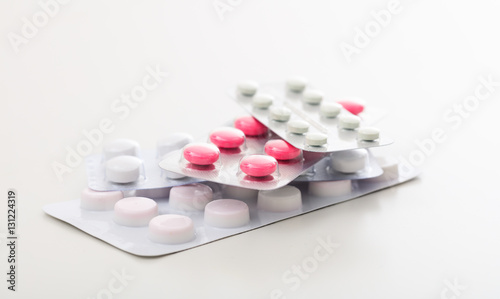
(250, 126)
(227, 137)
(258, 165)
(201, 153)
(354, 108)
(281, 150)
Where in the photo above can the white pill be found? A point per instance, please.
(330, 188)
(279, 113)
(313, 97)
(171, 229)
(349, 122)
(123, 169)
(368, 133)
(135, 211)
(121, 147)
(349, 161)
(190, 198)
(262, 101)
(227, 213)
(239, 192)
(298, 126)
(248, 88)
(316, 139)
(284, 199)
(330, 109)
(296, 84)
(172, 142)
(99, 201)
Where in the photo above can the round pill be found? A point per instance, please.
(191, 197)
(120, 147)
(353, 107)
(330, 109)
(258, 165)
(262, 101)
(313, 97)
(172, 142)
(227, 213)
(316, 139)
(248, 88)
(171, 229)
(250, 126)
(239, 192)
(281, 150)
(123, 169)
(296, 84)
(201, 153)
(330, 188)
(368, 133)
(135, 211)
(227, 137)
(349, 161)
(284, 199)
(297, 126)
(279, 113)
(99, 201)
(349, 122)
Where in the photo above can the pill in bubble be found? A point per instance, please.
(99, 200)
(121, 147)
(353, 107)
(227, 137)
(313, 97)
(227, 213)
(250, 126)
(262, 101)
(191, 197)
(296, 84)
(278, 113)
(316, 139)
(171, 229)
(123, 169)
(248, 88)
(329, 109)
(297, 126)
(368, 133)
(349, 161)
(349, 122)
(330, 188)
(281, 150)
(135, 211)
(284, 199)
(258, 165)
(201, 153)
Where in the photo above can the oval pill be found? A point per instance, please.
(284, 199)
(135, 211)
(316, 139)
(349, 122)
(227, 137)
(250, 126)
(201, 153)
(171, 229)
(353, 107)
(297, 126)
(248, 88)
(227, 213)
(262, 101)
(281, 150)
(258, 165)
(280, 113)
(123, 169)
(330, 109)
(296, 84)
(313, 97)
(368, 133)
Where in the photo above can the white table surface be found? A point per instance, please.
(413, 241)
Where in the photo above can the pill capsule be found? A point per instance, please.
(258, 165)
(353, 107)
(201, 153)
(227, 213)
(316, 139)
(262, 101)
(279, 113)
(284, 199)
(248, 88)
(135, 211)
(171, 229)
(313, 97)
(349, 122)
(227, 137)
(250, 126)
(123, 169)
(281, 150)
(297, 126)
(296, 84)
(330, 110)
(368, 133)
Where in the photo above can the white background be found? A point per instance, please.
(412, 241)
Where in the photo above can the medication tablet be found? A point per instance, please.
(349, 161)
(99, 201)
(192, 197)
(368, 133)
(349, 122)
(279, 113)
(123, 169)
(250, 126)
(227, 213)
(330, 109)
(330, 188)
(201, 153)
(353, 107)
(135, 211)
(248, 88)
(316, 139)
(313, 97)
(258, 165)
(227, 137)
(239, 192)
(121, 147)
(296, 84)
(281, 150)
(262, 101)
(298, 126)
(171, 229)
(172, 142)
(284, 199)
